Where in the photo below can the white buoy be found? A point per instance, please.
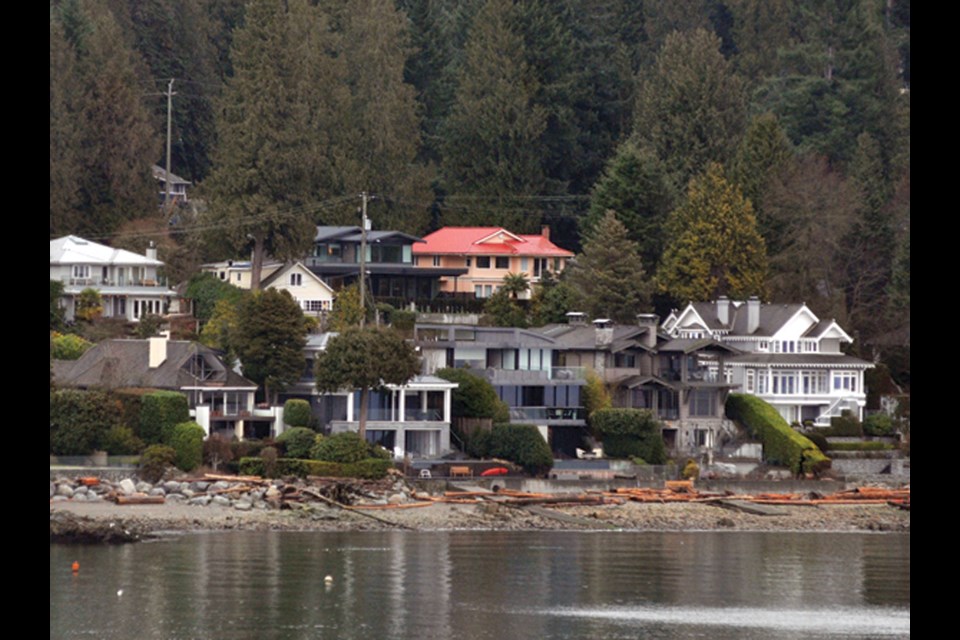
(328, 579)
(119, 592)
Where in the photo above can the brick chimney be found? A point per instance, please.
(545, 231)
(753, 314)
(723, 310)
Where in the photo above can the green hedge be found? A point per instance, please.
(781, 444)
(80, 420)
(160, 412)
(860, 446)
(343, 448)
(370, 469)
(630, 433)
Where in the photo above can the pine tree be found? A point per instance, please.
(269, 338)
(691, 108)
(492, 139)
(713, 246)
(609, 274)
(634, 187)
(266, 162)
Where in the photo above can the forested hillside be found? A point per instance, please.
(747, 146)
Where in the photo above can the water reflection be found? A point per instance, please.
(486, 585)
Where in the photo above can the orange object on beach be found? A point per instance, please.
(496, 471)
(89, 481)
(75, 566)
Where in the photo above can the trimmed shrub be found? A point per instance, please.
(370, 468)
(879, 424)
(297, 442)
(847, 426)
(521, 444)
(818, 439)
(120, 440)
(296, 413)
(186, 439)
(160, 412)
(475, 397)
(630, 433)
(80, 420)
(781, 444)
(341, 447)
(155, 461)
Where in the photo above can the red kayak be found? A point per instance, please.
(496, 471)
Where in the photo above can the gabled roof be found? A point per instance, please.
(478, 241)
(584, 337)
(772, 317)
(74, 250)
(117, 364)
(689, 345)
(280, 273)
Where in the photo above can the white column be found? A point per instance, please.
(350, 407)
(447, 396)
(403, 404)
(423, 402)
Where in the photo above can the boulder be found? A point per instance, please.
(200, 500)
(65, 490)
(127, 487)
(243, 505)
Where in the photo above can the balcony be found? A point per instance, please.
(547, 414)
(114, 282)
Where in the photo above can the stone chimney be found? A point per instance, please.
(158, 349)
(152, 251)
(576, 317)
(604, 331)
(545, 231)
(652, 322)
(723, 310)
(753, 314)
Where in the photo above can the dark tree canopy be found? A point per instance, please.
(365, 359)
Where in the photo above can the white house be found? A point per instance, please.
(312, 294)
(792, 358)
(127, 282)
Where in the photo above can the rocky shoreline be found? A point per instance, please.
(88, 512)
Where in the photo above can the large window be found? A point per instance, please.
(502, 262)
(845, 380)
(483, 262)
(703, 402)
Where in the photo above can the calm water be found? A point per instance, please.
(716, 585)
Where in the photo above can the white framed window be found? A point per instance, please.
(845, 380)
(81, 271)
(749, 380)
(315, 305)
(296, 279)
(763, 345)
(478, 290)
(483, 262)
(525, 264)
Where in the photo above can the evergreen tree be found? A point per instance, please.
(269, 339)
(377, 129)
(609, 274)
(636, 190)
(713, 247)
(492, 150)
(764, 150)
(100, 96)
(761, 28)
(266, 162)
(504, 311)
(691, 108)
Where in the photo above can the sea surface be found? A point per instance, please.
(486, 585)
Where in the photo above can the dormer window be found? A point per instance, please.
(296, 279)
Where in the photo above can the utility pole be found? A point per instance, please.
(363, 258)
(166, 201)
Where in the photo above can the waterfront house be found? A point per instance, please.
(220, 399)
(314, 296)
(790, 357)
(128, 283)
